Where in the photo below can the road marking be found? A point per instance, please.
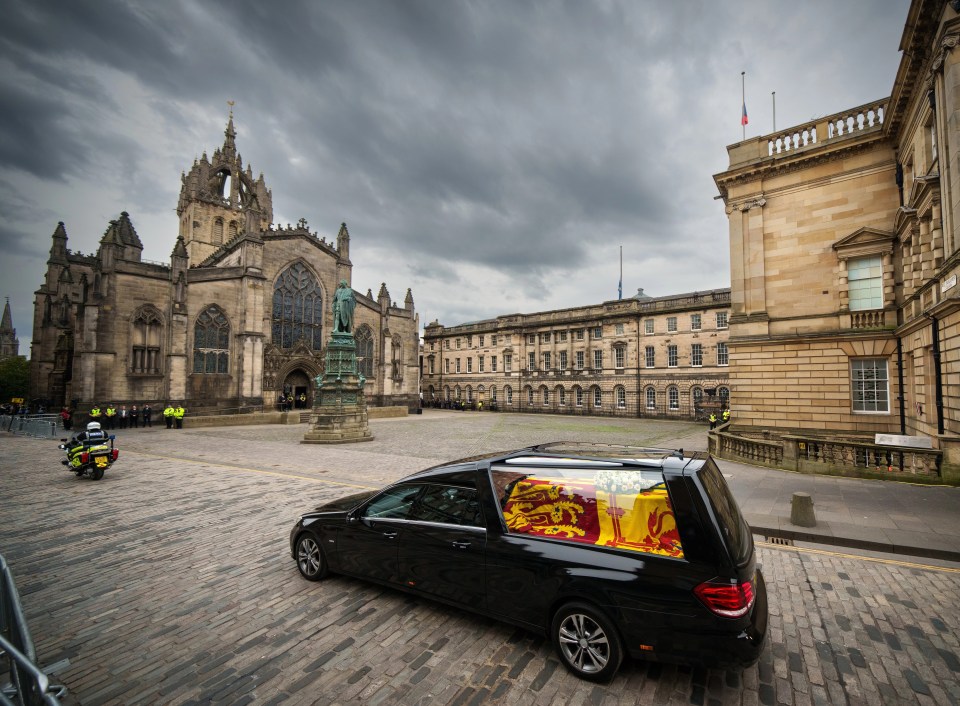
(839, 555)
(255, 470)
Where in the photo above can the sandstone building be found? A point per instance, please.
(642, 356)
(240, 314)
(9, 343)
(845, 257)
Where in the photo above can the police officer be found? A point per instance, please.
(713, 420)
(95, 413)
(111, 416)
(168, 416)
(303, 399)
(178, 415)
(725, 416)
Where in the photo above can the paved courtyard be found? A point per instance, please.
(170, 582)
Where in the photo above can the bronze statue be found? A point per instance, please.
(343, 305)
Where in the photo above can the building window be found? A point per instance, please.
(562, 363)
(529, 395)
(364, 339)
(493, 394)
(721, 319)
(469, 341)
(563, 336)
(508, 391)
(578, 396)
(697, 396)
(598, 360)
(545, 337)
(672, 356)
(507, 363)
(480, 364)
(218, 231)
(532, 361)
(580, 334)
(211, 342)
(562, 396)
(673, 397)
(598, 332)
(145, 338)
(447, 365)
(619, 329)
(579, 365)
(458, 393)
(432, 361)
(695, 322)
(493, 340)
(469, 365)
(651, 398)
(546, 361)
(458, 344)
(446, 344)
(232, 229)
(481, 341)
(297, 308)
(671, 323)
(546, 396)
(469, 394)
(532, 338)
(696, 355)
(493, 363)
(648, 326)
(865, 281)
(650, 357)
(621, 397)
(597, 397)
(397, 358)
(458, 365)
(723, 357)
(870, 385)
(724, 394)
(619, 353)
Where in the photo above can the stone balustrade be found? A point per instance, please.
(867, 319)
(841, 125)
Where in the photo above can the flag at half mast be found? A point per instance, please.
(743, 118)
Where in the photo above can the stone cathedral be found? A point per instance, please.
(239, 316)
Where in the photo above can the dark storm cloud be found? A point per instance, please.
(515, 144)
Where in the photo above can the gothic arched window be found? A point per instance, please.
(218, 231)
(364, 340)
(297, 308)
(211, 341)
(145, 339)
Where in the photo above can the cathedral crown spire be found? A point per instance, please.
(7, 323)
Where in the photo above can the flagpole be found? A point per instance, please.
(620, 287)
(743, 101)
(774, 94)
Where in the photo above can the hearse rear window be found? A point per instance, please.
(611, 507)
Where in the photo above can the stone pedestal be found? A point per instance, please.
(339, 413)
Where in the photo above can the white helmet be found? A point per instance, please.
(93, 426)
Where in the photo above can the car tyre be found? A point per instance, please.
(587, 642)
(310, 559)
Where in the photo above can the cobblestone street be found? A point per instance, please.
(170, 581)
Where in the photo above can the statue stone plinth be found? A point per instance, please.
(339, 413)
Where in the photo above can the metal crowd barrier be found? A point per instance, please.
(28, 685)
(40, 426)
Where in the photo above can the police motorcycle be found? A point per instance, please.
(90, 452)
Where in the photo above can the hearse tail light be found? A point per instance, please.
(728, 599)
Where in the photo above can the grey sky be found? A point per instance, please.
(492, 156)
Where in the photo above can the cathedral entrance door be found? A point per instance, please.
(297, 383)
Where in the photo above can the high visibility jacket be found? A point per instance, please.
(95, 412)
(179, 412)
(111, 412)
(168, 412)
(726, 415)
(713, 417)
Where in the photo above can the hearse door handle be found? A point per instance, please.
(390, 534)
(461, 545)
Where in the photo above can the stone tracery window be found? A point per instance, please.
(364, 339)
(297, 308)
(145, 338)
(211, 342)
(398, 358)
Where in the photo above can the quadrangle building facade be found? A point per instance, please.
(641, 356)
(240, 315)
